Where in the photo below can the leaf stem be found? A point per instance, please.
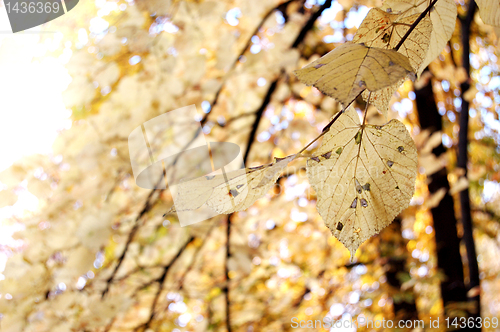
(420, 18)
(366, 108)
(327, 127)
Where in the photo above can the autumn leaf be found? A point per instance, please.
(229, 192)
(364, 176)
(385, 30)
(489, 10)
(350, 68)
(443, 18)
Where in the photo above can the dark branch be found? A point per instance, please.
(310, 23)
(412, 27)
(258, 116)
(147, 207)
(462, 160)
(160, 280)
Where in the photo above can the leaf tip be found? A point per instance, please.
(352, 252)
(171, 210)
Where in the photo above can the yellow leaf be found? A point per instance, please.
(470, 94)
(350, 68)
(489, 10)
(7, 197)
(443, 18)
(460, 185)
(436, 198)
(385, 30)
(363, 175)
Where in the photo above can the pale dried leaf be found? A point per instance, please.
(435, 198)
(470, 94)
(474, 291)
(432, 142)
(350, 68)
(460, 185)
(489, 10)
(430, 163)
(232, 191)
(443, 18)
(385, 30)
(7, 198)
(381, 98)
(497, 31)
(363, 176)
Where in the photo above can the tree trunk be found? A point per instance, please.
(445, 223)
(465, 210)
(404, 305)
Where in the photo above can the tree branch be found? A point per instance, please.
(161, 280)
(310, 23)
(146, 208)
(462, 160)
(413, 26)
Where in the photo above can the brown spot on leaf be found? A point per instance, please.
(390, 163)
(354, 203)
(358, 186)
(364, 203)
(315, 159)
(327, 155)
(233, 192)
(340, 226)
(401, 148)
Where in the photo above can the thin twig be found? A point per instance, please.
(226, 271)
(327, 127)
(366, 108)
(130, 238)
(410, 30)
(260, 111)
(161, 280)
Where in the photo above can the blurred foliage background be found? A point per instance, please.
(86, 249)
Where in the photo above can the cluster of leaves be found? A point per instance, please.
(375, 165)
